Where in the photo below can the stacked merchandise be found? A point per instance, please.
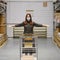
(28, 48)
(3, 36)
(57, 23)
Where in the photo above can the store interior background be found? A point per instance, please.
(16, 12)
(47, 48)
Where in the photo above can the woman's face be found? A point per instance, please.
(28, 17)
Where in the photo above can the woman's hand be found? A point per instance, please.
(45, 25)
(11, 26)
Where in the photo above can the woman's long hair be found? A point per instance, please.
(26, 21)
(30, 17)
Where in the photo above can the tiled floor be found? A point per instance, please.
(47, 50)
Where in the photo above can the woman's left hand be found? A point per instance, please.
(45, 25)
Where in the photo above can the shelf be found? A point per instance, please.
(41, 31)
(29, 57)
(57, 38)
(3, 38)
(3, 35)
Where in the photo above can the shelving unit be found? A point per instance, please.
(28, 48)
(57, 30)
(57, 38)
(3, 38)
(3, 33)
(57, 23)
(2, 24)
(40, 31)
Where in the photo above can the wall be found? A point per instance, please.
(31, 0)
(16, 14)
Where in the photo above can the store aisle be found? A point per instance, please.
(47, 50)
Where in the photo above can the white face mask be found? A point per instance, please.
(28, 18)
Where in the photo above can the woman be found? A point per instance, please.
(29, 24)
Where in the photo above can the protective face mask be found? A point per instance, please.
(28, 18)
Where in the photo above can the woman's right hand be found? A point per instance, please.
(11, 26)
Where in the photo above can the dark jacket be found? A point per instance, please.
(28, 27)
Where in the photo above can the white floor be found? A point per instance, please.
(47, 50)
(11, 50)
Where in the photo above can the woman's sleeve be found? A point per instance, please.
(37, 25)
(19, 25)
